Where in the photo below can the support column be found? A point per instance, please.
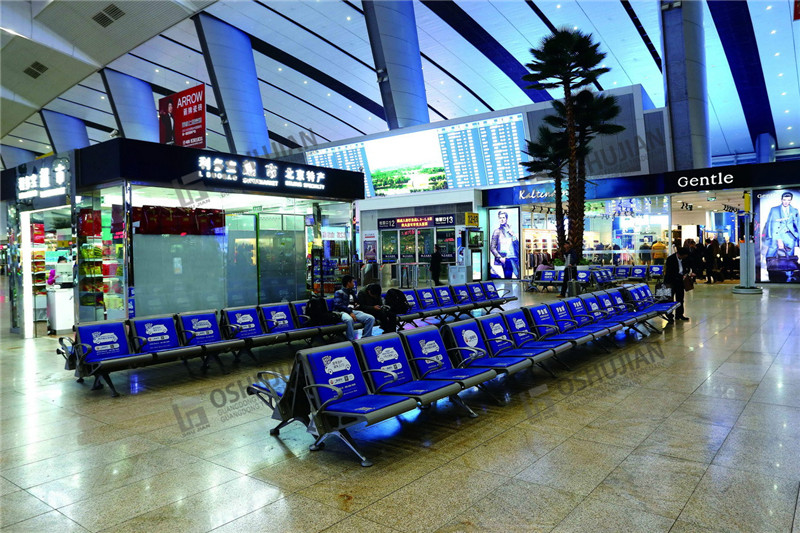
(132, 102)
(685, 80)
(392, 31)
(232, 69)
(65, 132)
(765, 148)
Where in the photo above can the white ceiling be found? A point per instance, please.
(156, 41)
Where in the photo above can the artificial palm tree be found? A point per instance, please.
(593, 115)
(549, 155)
(567, 59)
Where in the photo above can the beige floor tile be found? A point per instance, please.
(563, 419)
(72, 463)
(653, 401)
(620, 427)
(778, 420)
(6, 487)
(20, 505)
(652, 483)
(510, 452)
(734, 500)
(433, 500)
(755, 451)
(575, 466)
(52, 521)
(296, 473)
(720, 386)
(680, 381)
(98, 480)
(356, 524)
(778, 392)
(264, 452)
(356, 488)
(33, 429)
(292, 514)
(119, 505)
(517, 506)
(206, 510)
(682, 526)
(709, 409)
(599, 516)
(685, 439)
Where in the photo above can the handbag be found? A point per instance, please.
(784, 263)
(688, 283)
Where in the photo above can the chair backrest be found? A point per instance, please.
(247, 319)
(547, 275)
(607, 302)
(108, 340)
(645, 290)
(583, 276)
(444, 296)
(496, 333)
(426, 342)
(277, 317)
(299, 307)
(560, 275)
(199, 328)
(540, 315)
(639, 271)
(329, 303)
(411, 298)
(461, 293)
(466, 334)
(490, 290)
(592, 305)
(384, 352)
(656, 271)
(159, 332)
(476, 292)
(617, 298)
(517, 321)
(578, 310)
(562, 315)
(426, 298)
(334, 364)
(622, 271)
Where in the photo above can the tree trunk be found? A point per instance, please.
(560, 233)
(580, 214)
(575, 238)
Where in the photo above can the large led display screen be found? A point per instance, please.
(777, 229)
(472, 154)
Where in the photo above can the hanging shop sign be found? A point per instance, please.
(48, 177)
(428, 221)
(472, 220)
(537, 193)
(182, 118)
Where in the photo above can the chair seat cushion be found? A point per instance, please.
(457, 374)
(365, 404)
(417, 387)
(498, 362)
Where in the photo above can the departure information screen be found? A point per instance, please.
(473, 154)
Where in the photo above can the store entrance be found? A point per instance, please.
(707, 223)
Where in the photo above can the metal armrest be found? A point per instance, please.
(66, 350)
(260, 375)
(235, 329)
(394, 376)
(567, 320)
(339, 394)
(302, 319)
(139, 343)
(477, 354)
(190, 335)
(430, 360)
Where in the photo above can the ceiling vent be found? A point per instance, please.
(108, 15)
(35, 70)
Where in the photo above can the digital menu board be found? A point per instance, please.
(472, 154)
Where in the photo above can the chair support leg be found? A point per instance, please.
(348, 440)
(110, 384)
(489, 393)
(277, 429)
(456, 399)
(546, 369)
(562, 363)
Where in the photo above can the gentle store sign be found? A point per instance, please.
(718, 180)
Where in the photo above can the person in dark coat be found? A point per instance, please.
(370, 302)
(712, 261)
(677, 268)
(436, 265)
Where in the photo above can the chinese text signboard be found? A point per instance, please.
(44, 178)
(182, 118)
(416, 222)
(258, 174)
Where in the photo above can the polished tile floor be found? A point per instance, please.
(697, 429)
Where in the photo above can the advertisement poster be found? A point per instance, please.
(182, 118)
(777, 229)
(504, 243)
(370, 251)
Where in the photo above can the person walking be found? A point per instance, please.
(712, 261)
(675, 271)
(436, 265)
(571, 258)
(344, 302)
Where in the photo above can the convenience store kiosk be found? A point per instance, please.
(158, 229)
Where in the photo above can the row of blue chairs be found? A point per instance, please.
(332, 388)
(435, 305)
(598, 277)
(100, 348)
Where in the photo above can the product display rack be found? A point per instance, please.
(100, 279)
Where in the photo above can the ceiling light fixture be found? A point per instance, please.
(788, 128)
(780, 75)
(777, 54)
(102, 98)
(791, 143)
(769, 7)
(773, 32)
(20, 140)
(156, 70)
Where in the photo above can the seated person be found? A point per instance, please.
(370, 301)
(344, 302)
